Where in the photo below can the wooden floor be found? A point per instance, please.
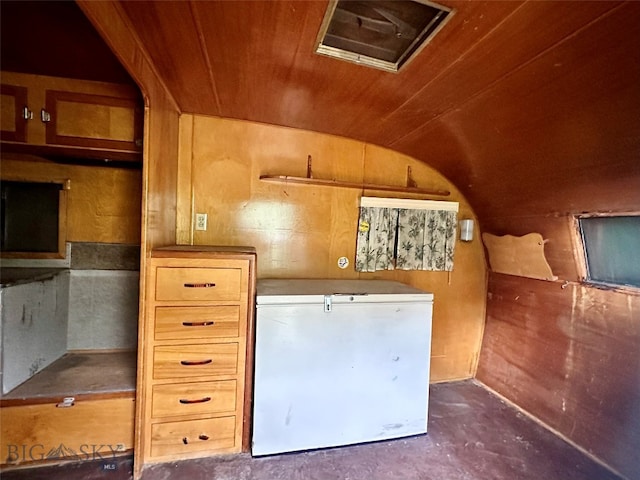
(472, 435)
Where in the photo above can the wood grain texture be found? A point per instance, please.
(160, 167)
(487, 103)
(569, 356)
(563, 145)
(503, 47)
(530, 109)
(522, 256)
(199, 284)
(103, 204)
(558, 230)
(300, 231)
(74, 375)
(98, 117)
(14, 125)
(44, 428)
(161, 124)
(193, 398)
(188, 361)
(202, 436)
(187, 69)
(210, 366)
(397, 189)
(196, 322)
(61, 43)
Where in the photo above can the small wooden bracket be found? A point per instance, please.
(411, 183)
(309, 172)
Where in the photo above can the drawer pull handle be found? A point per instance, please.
(185, 440)
(199, 285)
(202, 436)
(195, 362)
(186, 401)
(197, 324)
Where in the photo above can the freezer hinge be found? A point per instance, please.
(327, 303)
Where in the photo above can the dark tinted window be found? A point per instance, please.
(30, 216)
(612, 248)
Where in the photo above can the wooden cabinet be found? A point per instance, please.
(14, 111)
(42, 431)
(64, 117)
(195, 354)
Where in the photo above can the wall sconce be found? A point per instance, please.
(466, 230)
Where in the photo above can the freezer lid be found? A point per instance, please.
(303, 291)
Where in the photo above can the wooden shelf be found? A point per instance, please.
(362, 186)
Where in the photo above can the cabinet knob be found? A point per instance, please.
(45, 116)
(27, 114)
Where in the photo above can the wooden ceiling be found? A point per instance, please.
(520, 104)
(530, 108)
(55, 39)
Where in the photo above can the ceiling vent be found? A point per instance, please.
(377, 33)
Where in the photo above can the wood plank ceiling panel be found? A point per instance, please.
(529, 31)
(503, 83)
(55, 39)
(377, 101)
(263, 66)
(554, 135)
(269, 73)
(347, 99)
(251, 46)
(170, 35)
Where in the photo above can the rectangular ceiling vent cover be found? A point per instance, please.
(378, 33)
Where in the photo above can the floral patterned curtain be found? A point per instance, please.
(376, 243)
(406, 234)
(426, 239)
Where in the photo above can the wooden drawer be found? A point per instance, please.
(183, 323)
(198, 284)
(176, 438)
(193, 398)
(184, 361)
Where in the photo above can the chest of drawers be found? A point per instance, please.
(195, 354)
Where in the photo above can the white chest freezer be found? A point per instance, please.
(339, 362)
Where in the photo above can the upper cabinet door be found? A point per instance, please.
(65, 117)
(92, 121)
(15, 113)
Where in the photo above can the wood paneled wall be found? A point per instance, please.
(301, 231)
(160, 154)
(161, 123)
(570, 357)
(103, 203)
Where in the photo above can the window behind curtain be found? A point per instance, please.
(405, 234)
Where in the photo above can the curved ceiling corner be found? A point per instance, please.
(528, 107)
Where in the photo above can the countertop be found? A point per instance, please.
(10, 277)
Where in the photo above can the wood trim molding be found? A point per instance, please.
(125, 43)
(340, 184)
